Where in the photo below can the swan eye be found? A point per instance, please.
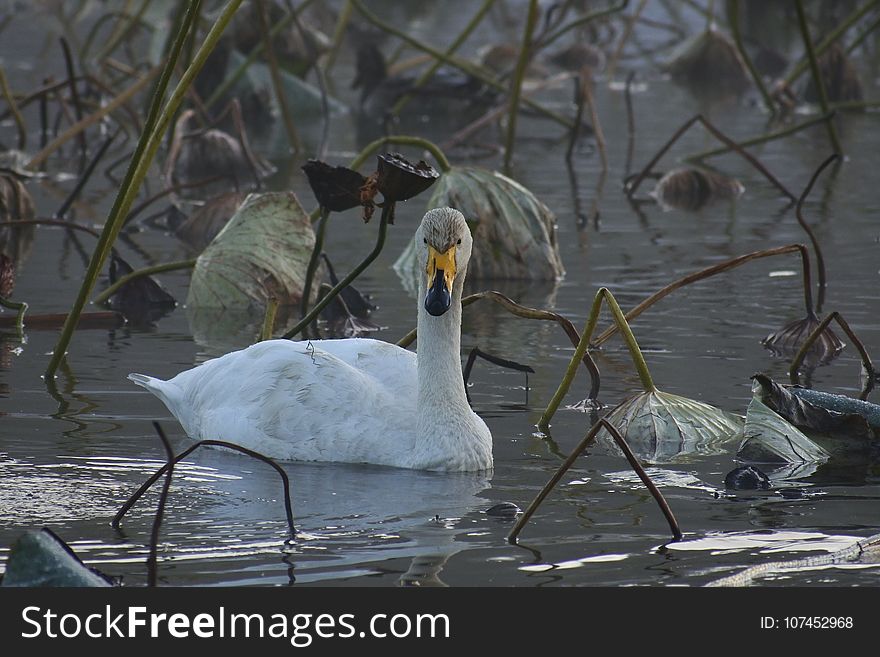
(425, 240)
(459, 241)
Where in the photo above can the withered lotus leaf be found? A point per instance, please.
(16, 204)
(787, 340)
(710, 65)
(662, 428)
(514, 231)
(336, 188)
(263, 252)
(692, 189)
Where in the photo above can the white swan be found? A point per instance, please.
(356, 400)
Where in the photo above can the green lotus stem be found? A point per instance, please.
(733, 20)
(269, 319)
(149, 142)
(19, 120)
(313, 261)
(711, 271)
(19, 306)
(854, 104)
(292, 135)
(139, 273)
(770, 136)
(528, 313)
(91, 119)
(123, 31)
(461, 64)
(252, 56)
(832, 36)
(575, 454)
(338, 34)
(583, 344)
(817, 75)
(867, 363)
(387, 212)
(583, 20)
(861, 36)
(516, 83)
(401, 140)
(424, 77)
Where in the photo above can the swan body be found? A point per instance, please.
(356, 400)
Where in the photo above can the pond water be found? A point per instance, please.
(70, 454)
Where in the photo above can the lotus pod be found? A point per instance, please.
(692, 189)
(16, 204)
(839, 76)
(710, 64)
(788, 340)
(661, 427)
(514, 232)
(263, 252)
(336, 188)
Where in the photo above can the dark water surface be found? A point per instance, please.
(70, 457)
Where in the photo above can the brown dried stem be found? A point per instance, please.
(632, 186)
(711, 271)
(633, 461)
(131, 501)
(820, 260)
(867, 363)
(527, 313)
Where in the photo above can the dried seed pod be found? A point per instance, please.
(787, 340)
(336, 188)
(400, 180)
(692, 189)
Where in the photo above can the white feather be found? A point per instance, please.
(354, 400)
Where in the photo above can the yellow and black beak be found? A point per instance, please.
(441, 273)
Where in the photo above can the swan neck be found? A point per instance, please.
(439, 355)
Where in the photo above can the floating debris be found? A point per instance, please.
(693, 189)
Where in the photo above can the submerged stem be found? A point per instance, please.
(733, 20)
(817, 75)
(576, 452)
(516, 83)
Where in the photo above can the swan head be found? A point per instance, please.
(445, 242)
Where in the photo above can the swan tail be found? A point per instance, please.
(168, 392)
